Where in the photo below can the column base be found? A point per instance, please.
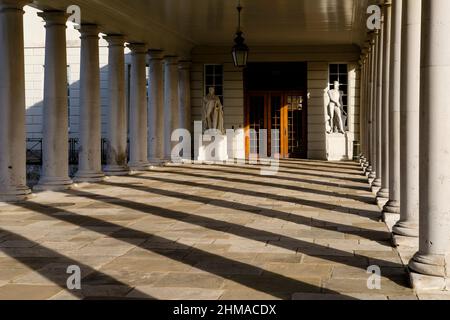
(53, 184)
(140, 166)
(392, 207)
(376, 185)
(89, 177)
(423, 283)
(383, 195)
(429, 272)
(20, 193)
(372, 175)
(116, 171)
(406, 229)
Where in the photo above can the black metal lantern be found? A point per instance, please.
(240, 49)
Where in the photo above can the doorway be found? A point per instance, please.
(275, 99)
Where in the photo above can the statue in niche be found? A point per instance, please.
(336, 111)
(212, 112)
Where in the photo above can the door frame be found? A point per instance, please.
(284, 141)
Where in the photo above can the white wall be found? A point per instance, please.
(317, 58)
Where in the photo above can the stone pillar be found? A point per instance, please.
(430, 266)
(361, 110)
(383, 194)
(376, 184)
(371, 130)
(365, 164)
(184, 91)
(138, 109)
(116, 159)
(55, 166)
(171, 101)
(156, 108)
(90, 162)
(410, 122)
(392, 208)
(13, 184)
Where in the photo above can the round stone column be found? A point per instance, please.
(117, 116)
(156, 108)
(184, 68)
(171, 101)
(383, 194)
(13, 184)
(376, 184)
(434, 240)
(371, 168)
(55, 166)
(361, 110)
(410, 121)
(90, 163)
(392, 208)
(138, 109)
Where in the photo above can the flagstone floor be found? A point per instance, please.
(204, 232)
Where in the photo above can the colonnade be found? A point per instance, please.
(405, 126)
(151, 120)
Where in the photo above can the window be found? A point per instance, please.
(214, 78)
(339, 72)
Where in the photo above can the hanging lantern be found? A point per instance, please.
(240, 49)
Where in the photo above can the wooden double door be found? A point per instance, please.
(283, 111)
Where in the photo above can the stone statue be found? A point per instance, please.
(336, 111)
(212, 112)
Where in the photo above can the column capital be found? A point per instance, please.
(13, 4)
(184, 65)
(138, 48)
(170, 60)
(115, 40)
(54, 18)
(155, 54)
(89, 31)
(387, 3)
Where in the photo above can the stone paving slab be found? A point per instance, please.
(205, 232)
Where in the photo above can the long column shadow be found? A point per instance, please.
(228, 204)
(321, 168)
(322, 164)
(301, 170)
(285, 242)
(362, 199)
(58, 275)
(91, 223)
(285, 178)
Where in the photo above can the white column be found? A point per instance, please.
(383, 194)
(392, 207)
(171, 101)
(376, 184)
(371, 131)
(156, 108)
(361, 110)
(90, 163)
(184, 91)
(55, 166)
(365, 163)
(12, 103)
(410, 120)
(117, 114)
(433, 256)
(138, 109)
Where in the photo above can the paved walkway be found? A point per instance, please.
(204, 232)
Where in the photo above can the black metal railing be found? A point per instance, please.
(34, 151)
